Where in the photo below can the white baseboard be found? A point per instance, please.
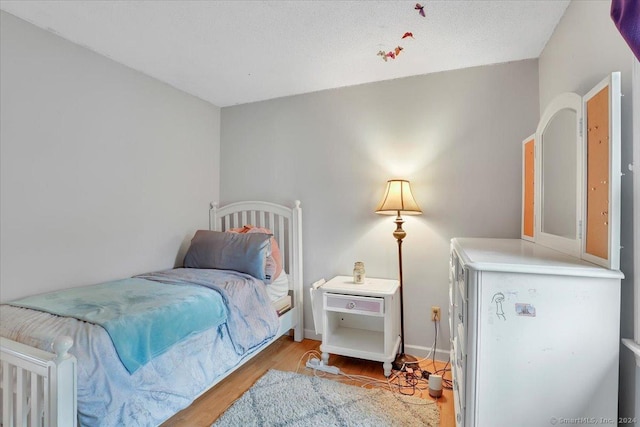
(442, 354)
(310, 334)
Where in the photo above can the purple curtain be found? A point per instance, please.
(626, 16)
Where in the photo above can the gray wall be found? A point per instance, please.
(105, 172)
(584, 48)
(455, 135)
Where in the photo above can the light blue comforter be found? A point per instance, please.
(251, 316)
(108, 395)
(142, 317)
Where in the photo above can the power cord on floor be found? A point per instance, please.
(446, 383)
(311, 354)
(399, 385)
(430, 357)
(410, 380)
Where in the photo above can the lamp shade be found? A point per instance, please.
(398, 198)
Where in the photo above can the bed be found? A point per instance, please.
(62, 370)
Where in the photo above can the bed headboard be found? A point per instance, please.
(283, 221)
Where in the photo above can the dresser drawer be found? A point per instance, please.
(371, 306)
(458, 386)
(453, 268)
(462, 283)
(462, 338)
(461, 304)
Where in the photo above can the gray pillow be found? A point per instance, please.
(246, 253)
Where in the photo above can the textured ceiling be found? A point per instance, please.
(234, 52)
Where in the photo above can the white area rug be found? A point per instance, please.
(290, 399)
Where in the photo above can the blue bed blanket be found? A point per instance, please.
(111, 396)
(143, 317)
(251, 319)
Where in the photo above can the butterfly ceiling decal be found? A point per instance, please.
(394, 53)
(391, 54)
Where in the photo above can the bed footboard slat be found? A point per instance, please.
(36, 400)
(7, 393)
(22, 411)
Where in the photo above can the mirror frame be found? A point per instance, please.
(570, 101)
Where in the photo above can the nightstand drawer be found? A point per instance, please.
(371, 306)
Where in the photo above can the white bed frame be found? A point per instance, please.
(286, 225)
(38, 388)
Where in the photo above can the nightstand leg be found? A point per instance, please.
(387, 368)
(325, 358)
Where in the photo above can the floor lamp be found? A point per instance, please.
(398, 199)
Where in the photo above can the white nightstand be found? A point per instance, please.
(361, 321)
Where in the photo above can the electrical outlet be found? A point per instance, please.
(435, 313)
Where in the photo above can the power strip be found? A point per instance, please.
(319, 366)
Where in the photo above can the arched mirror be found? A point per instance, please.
(577, 175)
(559, 183)
(559, 174)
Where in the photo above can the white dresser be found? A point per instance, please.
(534, 336)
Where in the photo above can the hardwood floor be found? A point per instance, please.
(287, 355)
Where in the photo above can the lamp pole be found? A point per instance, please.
(398, 198)
(401, 359)
(400, 234)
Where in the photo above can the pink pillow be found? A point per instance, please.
(274, 261)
